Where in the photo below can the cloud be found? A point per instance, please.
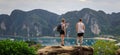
(83, 0)
(59, 6)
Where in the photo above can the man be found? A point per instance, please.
(63, 31)
(80, 28)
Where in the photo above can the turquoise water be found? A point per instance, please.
(53, 41)
(68, 41)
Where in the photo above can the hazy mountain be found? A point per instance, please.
(37, 22)
(96, 22)
(40, 22)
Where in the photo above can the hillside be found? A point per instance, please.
(40, 22)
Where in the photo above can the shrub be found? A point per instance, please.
(9, 47)
(34, 44)
(31, 42)
(102, 47)
(37, 46)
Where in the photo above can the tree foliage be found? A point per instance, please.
(102, 47)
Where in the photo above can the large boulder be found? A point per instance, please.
(66, 50)
(118, 52)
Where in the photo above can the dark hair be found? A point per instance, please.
(63, 20)
(80, 19)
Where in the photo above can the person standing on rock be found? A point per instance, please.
(80, 29)
(62, 30)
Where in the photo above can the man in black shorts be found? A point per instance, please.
(80, 28)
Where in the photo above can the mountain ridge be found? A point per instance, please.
(39, 22)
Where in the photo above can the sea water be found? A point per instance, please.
(53, 41)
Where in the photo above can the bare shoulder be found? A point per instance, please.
(77, 23)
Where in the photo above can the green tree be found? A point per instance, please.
(102, 47)
(9, 47)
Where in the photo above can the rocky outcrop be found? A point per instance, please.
(118, 52)
(66, 50)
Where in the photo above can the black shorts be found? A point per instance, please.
(80, 34)
(62, 32)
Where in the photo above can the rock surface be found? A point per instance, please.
(118, 52)
(66, 50)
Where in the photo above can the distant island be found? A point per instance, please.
(39, 22)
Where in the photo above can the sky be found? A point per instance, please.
(59, 6)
